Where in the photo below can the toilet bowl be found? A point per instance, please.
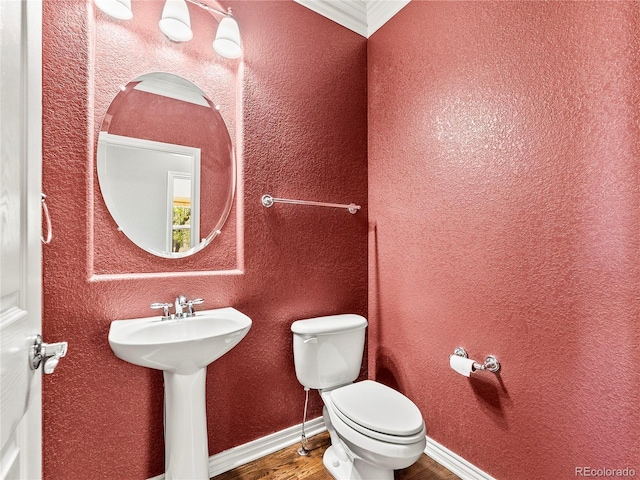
(374, 429)
(381, 429)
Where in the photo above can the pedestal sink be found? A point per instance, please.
(182, 348)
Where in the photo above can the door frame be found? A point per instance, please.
(28, 435)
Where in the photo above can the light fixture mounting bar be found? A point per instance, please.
(210, 8)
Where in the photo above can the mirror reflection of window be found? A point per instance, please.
(182, 237)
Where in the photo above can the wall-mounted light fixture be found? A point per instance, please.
(176, 24)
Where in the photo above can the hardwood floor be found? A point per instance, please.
(286, 464)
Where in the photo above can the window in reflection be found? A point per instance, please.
(182, 236)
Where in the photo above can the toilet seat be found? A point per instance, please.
(378, 412)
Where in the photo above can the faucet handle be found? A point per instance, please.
(165, 309)
(190, 311)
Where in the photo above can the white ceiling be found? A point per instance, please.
(361, 16)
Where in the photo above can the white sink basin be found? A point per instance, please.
(179, 346)
(182, 349)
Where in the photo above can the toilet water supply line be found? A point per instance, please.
(303, 451)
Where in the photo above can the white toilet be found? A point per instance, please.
(374, 429)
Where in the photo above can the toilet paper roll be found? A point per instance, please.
(462, 365)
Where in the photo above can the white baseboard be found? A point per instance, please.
(453, 462)
(234, 457)
(237, 456)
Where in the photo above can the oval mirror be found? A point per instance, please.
(165, 165)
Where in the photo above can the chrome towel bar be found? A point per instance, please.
(268, 201)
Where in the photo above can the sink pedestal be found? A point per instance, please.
(182, 349)
(185, 426)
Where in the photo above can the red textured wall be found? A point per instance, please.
(504, 201)
(299, 127)
(120, 51)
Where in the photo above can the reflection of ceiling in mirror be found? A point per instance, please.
(171, 86)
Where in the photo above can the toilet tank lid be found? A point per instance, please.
(329, 324)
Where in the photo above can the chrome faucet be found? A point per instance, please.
(180, 303)
(165, 310)
(190, 310)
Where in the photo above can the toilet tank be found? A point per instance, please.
(327, 351)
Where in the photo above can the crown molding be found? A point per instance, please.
(362, 16)
(380, 12)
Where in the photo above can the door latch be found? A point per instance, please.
(47, 353)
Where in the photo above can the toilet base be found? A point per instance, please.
(356, 470)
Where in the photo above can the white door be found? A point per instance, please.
(20, 231)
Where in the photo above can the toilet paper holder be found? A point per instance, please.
(491, 363)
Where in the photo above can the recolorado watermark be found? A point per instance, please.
(604, 472)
